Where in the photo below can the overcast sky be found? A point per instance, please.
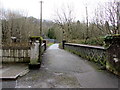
(32, 7)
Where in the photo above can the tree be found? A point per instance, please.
(113, 12)
(64, 19)
(108, 16)
(17, 25)
(51, 34)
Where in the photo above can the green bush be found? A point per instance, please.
(93, 41)
(111, 38)
(49, 44)
(60, 45)
(33, 38)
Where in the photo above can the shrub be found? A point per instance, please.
(93, 41)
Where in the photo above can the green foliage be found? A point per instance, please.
(110, 38)
(94, 41)
(60, 45)
(51, 34)
(36, 37)
(49, 44)
(112, 67)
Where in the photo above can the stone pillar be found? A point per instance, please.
(113, 52)
(35, 56)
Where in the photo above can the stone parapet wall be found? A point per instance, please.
(17, 53)
(108, 58)
(92, 53)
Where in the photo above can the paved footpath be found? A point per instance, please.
(10, 71)
(62, 69)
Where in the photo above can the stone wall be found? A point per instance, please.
(15, 54)
(18, 53)
(107, 58)
(113, 52)
(92, 53)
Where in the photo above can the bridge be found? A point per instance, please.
(62, 69)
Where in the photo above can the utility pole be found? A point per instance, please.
(41, 18)
(40, 31)
(87, 23)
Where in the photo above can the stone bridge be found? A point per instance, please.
(62, 69)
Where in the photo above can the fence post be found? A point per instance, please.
(63, 44)
(44, 41)
(113, 52)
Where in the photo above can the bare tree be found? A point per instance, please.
(113, 13)
(64, 19)
(100, 18)
(15, 24)
(108, 16)
(87, 33)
